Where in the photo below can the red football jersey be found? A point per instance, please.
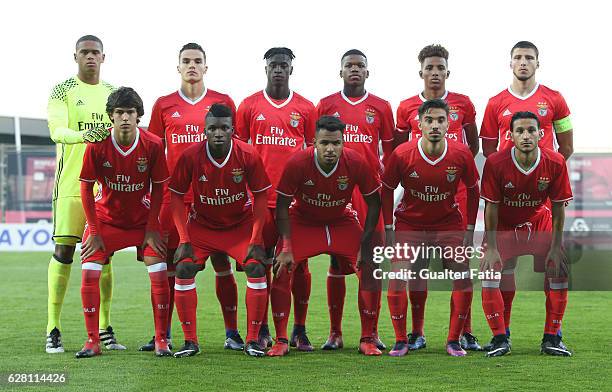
(522, 194)
(180, 122)
(368, 120)
(430, 184)
(461, 113)
(322, 197)
(124, 177)
(277, 129)
(220, 189)
(549, 105)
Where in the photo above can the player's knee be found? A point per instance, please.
(255, 270)
(186, 270)
(220, 262)
(64, 254)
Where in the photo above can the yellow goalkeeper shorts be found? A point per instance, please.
(68, 220)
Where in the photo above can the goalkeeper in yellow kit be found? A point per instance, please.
(76, 115)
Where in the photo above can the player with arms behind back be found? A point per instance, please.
(126, 166)
(369, 121)
(556, 132)
(178, 119)
(461, 128)
(517, 183)
(279, 122)
(430, 169)
(77, 116)
(224, 219)
(318, 184)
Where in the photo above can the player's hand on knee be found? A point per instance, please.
(283, 261)
(91, 245)
(256, 252)
(491, 260)
(153, 239)
(556, 263)
(468, 239)
(184, 251)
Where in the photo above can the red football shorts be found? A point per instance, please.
(115, 239)
(529, 238)
(426, 242)
(342, 239)
(233, 241)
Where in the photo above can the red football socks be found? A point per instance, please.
(186, 299)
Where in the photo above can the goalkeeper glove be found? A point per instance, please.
(95, 135)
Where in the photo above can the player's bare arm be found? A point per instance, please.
(491, 258)
(285, 258)
(566, 143)
(471, 135)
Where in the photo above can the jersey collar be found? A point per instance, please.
(532, 168)
(189, 101)
(118, 148)
(360, 100)
(326, 175)
(537, 86)
(214, 162)
(271, 102)
(422, 97)
(424, 156)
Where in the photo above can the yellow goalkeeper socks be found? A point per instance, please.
(58, 277)
(106, 295)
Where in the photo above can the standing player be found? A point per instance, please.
(461, 128)
(76, 115)
(430, 169)
(221, 172)
(279, 122)
(126, 166)
(525, 94)
(178, 119)
(369, 121)
(319, 181)
(516, 185)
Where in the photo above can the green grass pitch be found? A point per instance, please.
(23, 289)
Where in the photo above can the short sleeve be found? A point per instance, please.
(561, 108)
(256, 173)
(182, 174)
(243, 122)
(391, 176)
(470, 177)
(490, 126)
(403, 118)
(561, 190)
(310, 124)
(388, 124)
(88, 170)
(156, 124)
(490, 190)
(159, 171)
(288, 184)
(367, 181)
(469, 116)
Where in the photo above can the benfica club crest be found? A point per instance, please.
(453, 115)
(543, 183)
(295, 119)
(542, 109)
(141, 164)
(237, 174)
(343, 183)
(370, 114)
(451, 173)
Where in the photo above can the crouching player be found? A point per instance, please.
(516, 184)
(126, 166)
(321, 180)
(224, 220)
(430, 169)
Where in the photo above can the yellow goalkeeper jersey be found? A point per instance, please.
(74, 107)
